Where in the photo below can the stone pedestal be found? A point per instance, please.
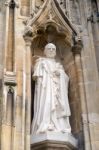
(53, 141)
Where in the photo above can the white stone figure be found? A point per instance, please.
(51, 106)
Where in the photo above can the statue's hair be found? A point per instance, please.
(50, 44)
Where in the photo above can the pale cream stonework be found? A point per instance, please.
(25, 28)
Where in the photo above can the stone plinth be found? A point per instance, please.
(53, 141)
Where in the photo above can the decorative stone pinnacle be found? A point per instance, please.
(50, 14)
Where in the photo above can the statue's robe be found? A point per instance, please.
(51, 106)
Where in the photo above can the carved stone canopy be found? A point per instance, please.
(51, 22)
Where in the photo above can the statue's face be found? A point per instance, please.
(50, 50)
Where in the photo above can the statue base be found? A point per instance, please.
(53, 141)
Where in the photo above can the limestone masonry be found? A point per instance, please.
(26, 26)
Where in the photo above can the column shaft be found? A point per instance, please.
(82, 96)
(28, 92)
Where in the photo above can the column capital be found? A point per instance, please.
(12, 3)
(28, 31)
(77, 47)
(28, 40)
(10, 79)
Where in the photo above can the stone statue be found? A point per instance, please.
(51, 107)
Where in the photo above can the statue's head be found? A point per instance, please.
(50, 50)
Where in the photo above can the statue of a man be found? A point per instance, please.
(51, 106)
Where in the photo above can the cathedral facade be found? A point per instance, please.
(26, 26)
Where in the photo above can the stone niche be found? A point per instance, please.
(65, 56)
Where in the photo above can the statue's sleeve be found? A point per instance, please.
(38, 69)
(64, 77)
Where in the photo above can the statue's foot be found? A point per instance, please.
(51, 127)
(66, 131)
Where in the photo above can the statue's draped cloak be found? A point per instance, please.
(51, 107)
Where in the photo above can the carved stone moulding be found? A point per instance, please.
(10, 79)
(53, 141)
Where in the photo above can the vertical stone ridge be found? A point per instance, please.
(1, 60)
(25, 7)
(10, 50)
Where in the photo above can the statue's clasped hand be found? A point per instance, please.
(34, 78)
(57, 73)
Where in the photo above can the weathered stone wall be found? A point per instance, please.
(80, 17)
(2, 33)
(91, 81)
(25, 7)
(74, 97)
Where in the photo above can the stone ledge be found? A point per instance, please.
(56, 141)
(10, 78)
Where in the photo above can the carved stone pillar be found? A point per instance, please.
(76, 49)
(8, 111)
(9, 81)
(27, 92)
(9, 63)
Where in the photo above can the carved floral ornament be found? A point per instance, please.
(48, 27)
